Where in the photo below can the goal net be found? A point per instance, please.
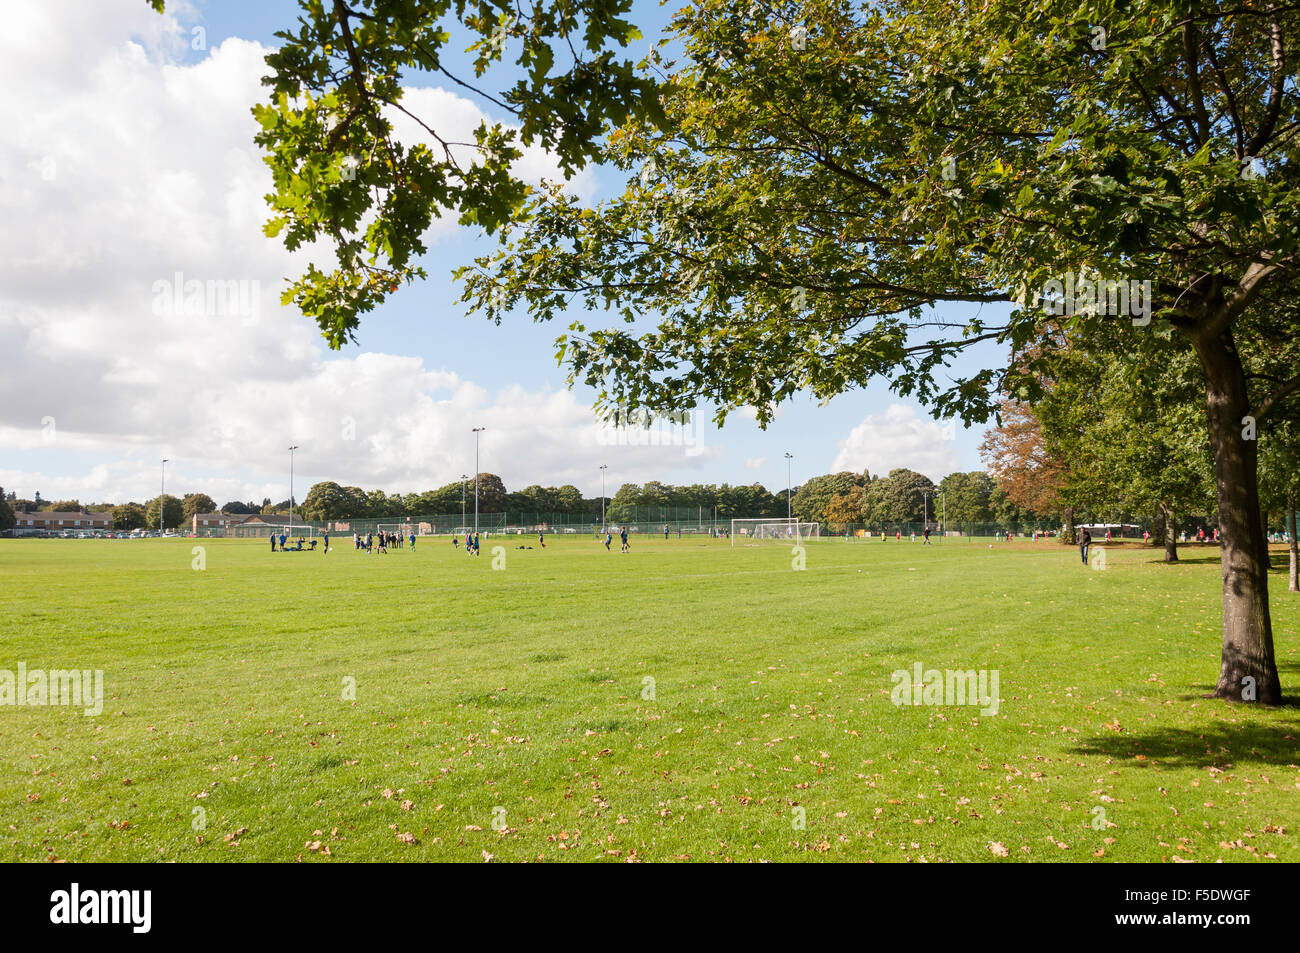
(779, 529)
(398, 529)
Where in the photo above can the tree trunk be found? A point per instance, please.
(1293, 581)
(1248, 670)
(1158, 536)
(1068, 535)
(1171, 537)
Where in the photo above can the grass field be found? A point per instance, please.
(677, 703)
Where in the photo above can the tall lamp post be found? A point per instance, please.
(603, 468)
(463, 478)
(476, 431)
(789, 511)
(291, 450)
(925, 509)
(162, 495)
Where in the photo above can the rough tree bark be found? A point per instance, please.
(1248, 671)
(1068, 536)
(1171, 534)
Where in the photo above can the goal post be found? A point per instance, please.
(770, 528)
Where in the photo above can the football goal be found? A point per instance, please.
(398, 529)
(767, 529)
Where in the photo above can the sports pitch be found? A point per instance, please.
(687, 701)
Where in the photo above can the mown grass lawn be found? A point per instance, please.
(679, 702)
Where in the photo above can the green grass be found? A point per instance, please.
(520, 692)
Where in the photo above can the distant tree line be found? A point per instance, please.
(905, 496)
(839, 498)
(331, 501)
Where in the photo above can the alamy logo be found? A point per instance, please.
(637, 428)
(38, 687)
(1097, 296)
(948, 687)
(240, 298)
(134, 907)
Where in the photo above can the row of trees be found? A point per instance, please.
(906, 496)
(1115, 441)
(845, 497)
(329, 500)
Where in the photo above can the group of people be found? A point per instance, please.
(383, 541)
(379, 542)
(280, 543)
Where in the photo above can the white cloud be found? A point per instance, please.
(122, 167)
(755, 463)
(899, 438)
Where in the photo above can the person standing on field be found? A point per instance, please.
(1084, 542)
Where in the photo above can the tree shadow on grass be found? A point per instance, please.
(1276, 743)
(1216, 745)
(1278, 561)
(1159, 559)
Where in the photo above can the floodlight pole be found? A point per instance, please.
(463, 478)
(925, 509)
(789, 511)
(477, 431)
(291, 450)
(162, 493)
(603, 468)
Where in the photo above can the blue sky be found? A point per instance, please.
(141, 166)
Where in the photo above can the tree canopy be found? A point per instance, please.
(822, 192)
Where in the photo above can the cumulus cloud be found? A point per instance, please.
(755, 463)
(129, 185)
(899, 438)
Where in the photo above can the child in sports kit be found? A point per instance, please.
(609, 538)
(412, 540)
(540, 541)
(623, 537)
